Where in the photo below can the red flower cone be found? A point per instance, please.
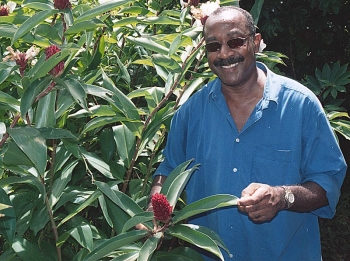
(161, 208)
(58, 69)
(62, 4)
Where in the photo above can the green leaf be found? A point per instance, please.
(81, 232)
(32, 22)
(89, 25)
(7, 217)
(149, 44)
(30, 180)
(61, 182)
(178, 254)
(120, 100)
(102, 121)
(176, 181)
(28, 251)
(48, 32)
(114, 243)
(120, 199)
(210, 233)
(30, 141)
(205, 204)
(196, 238)
(127, 21)
(76, 90)
(256, 9)
(166, 62)
(8, 99)
(125, 141)
(97, 163)
(107, 145)
(14, 154)
(138, 219)
(80, 207)
(31, 93)
(6, 72)
(55, 133)
(40, 217)
(163, 20)
(99, 10)
(39, 5)
(149, 247)
(45, 112)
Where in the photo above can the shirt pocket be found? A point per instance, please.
(272, 166)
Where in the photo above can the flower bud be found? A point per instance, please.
(62, 4)
(58, 69)
(161, 208)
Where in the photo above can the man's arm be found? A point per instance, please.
(262, 202)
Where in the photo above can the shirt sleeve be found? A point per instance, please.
(324, 163)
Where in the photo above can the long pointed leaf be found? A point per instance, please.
(98, 10)
(32, 144)
(205, 204)
(149, 247)
(196, 238)
(114, 243)
(120, 199)
(32, 22)
(176, 181)
(8, 218)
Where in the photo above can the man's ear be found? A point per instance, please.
(257, 40)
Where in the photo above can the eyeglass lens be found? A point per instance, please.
(233, 43)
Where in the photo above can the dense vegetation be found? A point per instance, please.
(84, 116)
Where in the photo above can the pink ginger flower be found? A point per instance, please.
(62, 4)
(58, 69)
(21, 58)
(161, 208)
(202, 13)
(5, 10)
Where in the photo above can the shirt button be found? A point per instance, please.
(234, 169)
(237, 139)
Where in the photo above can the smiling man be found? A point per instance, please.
(260, 136)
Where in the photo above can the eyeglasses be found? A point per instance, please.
(232, 43)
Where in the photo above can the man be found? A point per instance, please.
(259, 135)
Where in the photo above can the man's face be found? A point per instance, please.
(234, 66)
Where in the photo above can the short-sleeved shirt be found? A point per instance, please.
(286, 140)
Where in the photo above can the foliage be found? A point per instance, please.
(327, 84)
(84, 116)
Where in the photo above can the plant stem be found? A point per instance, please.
(54, 227)
(150, 116)
(46, 91)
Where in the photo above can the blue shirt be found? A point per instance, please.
(286, 140)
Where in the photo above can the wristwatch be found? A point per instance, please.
(288, 196)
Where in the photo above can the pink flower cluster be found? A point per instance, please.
(161, 208)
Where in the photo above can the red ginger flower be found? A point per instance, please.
(161, 207)
(62, 4)
(58, 69)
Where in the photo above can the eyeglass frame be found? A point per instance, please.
(221, 44)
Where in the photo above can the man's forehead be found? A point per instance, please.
(234, 22)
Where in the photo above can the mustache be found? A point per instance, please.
(228, 61)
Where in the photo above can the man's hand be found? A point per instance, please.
(261, 202)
